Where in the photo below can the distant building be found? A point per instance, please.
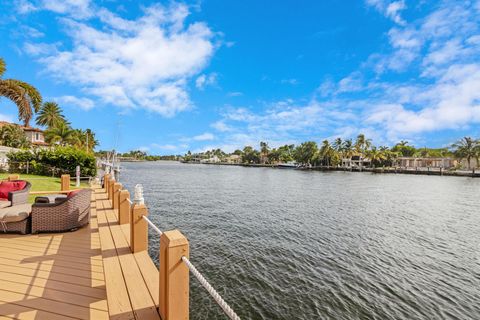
(213, 159)
(355, 162)
(419, 162)
(34, 135)
(233, 159)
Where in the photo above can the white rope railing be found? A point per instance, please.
(152, 225)
(130, 201)
(215, 295)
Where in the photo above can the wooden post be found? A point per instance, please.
(116, 191)
(106, 179)
(12, 177)
(174, 277)
(110, 189)
(138, 228)
(123, 207)
(65, 182)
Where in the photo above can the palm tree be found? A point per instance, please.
(348, 149)
(376, 156)
(50, 115)
(338, 145)
(264, 149)
(362, 144)
(467, 148)
(61, 134)
(24, 95)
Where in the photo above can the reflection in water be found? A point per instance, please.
(287, 244)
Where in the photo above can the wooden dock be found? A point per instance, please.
(90, 273)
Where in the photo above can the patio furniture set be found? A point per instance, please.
(53, 213)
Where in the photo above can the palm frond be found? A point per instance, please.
(3, 67)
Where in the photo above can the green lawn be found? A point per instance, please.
(43, 183)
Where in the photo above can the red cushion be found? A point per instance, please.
(9, 186)
(72, 193)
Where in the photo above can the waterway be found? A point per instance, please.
(289, 244)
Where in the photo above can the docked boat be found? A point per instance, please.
(288, 165)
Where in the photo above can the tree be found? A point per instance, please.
(286, 152)
(50, 115)
(250, 155)
(362, 144)
(306, 152)
(468, 149)
(13, 136)
(24, 95)
(84, 139)
(327, 154)
(404, 149)
(348, 149)
(61, 134)
(376, 156)
(264, 149)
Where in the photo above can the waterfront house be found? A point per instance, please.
(34, 135)
(356, 161)
(213, 159)
(426, 162)
(233, 159)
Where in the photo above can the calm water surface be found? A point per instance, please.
(286, 244)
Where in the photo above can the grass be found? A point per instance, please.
(43, 183)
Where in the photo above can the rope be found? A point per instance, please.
(218, 299)
(130, 201)
(152, 225)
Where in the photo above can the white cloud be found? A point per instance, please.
(78, 8)
(143, 63)
(390, 9)
(204, 137)
(205, 80)
(72, 101)
(24, 7)
(220, 126)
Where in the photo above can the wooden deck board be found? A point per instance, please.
(86, 274)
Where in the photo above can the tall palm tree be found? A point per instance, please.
(24, 95)
(348, 149)
(50, 115)
(468, 149)
(362, 144)
(338, 144)
(376, 156)
(264, 149)
(61, 134)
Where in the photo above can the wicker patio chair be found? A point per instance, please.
(67, 215)
(20, 196)
(15, 219)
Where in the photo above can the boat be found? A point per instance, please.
(288, 165)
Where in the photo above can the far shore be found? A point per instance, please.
(393, 170)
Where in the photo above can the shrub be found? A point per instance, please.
(53, 161)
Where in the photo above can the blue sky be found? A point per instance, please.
(170, 76)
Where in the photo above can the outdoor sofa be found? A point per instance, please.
(64, 214)
(14, 207)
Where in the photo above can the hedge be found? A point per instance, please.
(53, 161)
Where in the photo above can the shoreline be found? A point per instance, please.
(395, 170)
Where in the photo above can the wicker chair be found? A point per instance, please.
(20, 196)
(67, 215)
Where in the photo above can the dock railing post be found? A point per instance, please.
(65, 182)
(174, 276)
(116, 190)
(106, 180)
(138, 228)
(110, 189)
(123, 207)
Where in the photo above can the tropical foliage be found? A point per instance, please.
(54, 161)
(50, 115)
(24, 95)
(331, 153)
(12, 135)
(467, 148)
